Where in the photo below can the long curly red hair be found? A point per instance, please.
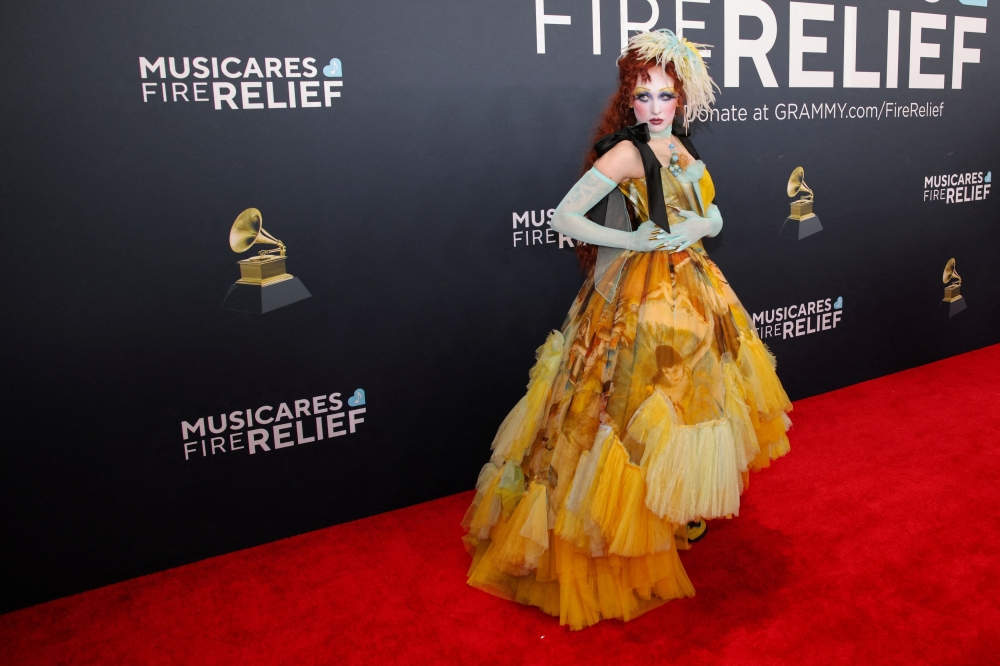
(619, 114)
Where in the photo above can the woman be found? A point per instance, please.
(646, 411)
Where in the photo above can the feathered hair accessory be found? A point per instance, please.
(663, 46)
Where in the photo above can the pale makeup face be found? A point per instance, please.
(654, 100)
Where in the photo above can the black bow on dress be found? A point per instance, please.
(635, 133)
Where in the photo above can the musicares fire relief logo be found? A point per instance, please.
(794, 321)
(752, 31)
(958, 187)
(307, 421)
(532, 227)
(281, 83)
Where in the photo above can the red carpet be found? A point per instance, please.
(875, 541)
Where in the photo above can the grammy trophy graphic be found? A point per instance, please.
(264, 284)
(953, 289)
(803, 221)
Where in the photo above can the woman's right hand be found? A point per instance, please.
(647, 238)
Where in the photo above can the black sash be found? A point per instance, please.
(639, 136)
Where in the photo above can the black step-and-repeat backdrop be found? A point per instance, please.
(408, 156)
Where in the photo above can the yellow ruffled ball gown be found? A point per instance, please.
(646, 411)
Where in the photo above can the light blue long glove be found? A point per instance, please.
(694, 228)
(569, 218)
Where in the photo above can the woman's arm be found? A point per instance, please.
(617, 165)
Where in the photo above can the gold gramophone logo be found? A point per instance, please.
(264, 283)
(953, 289)
(803, 221)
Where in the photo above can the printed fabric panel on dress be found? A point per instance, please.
(676, 196)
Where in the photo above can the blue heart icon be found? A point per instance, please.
(357, 399)
(839, 303)
(332, 70)
(989, 177)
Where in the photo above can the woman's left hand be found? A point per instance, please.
(693, 229)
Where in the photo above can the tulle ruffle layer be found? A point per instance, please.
(603, 555)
